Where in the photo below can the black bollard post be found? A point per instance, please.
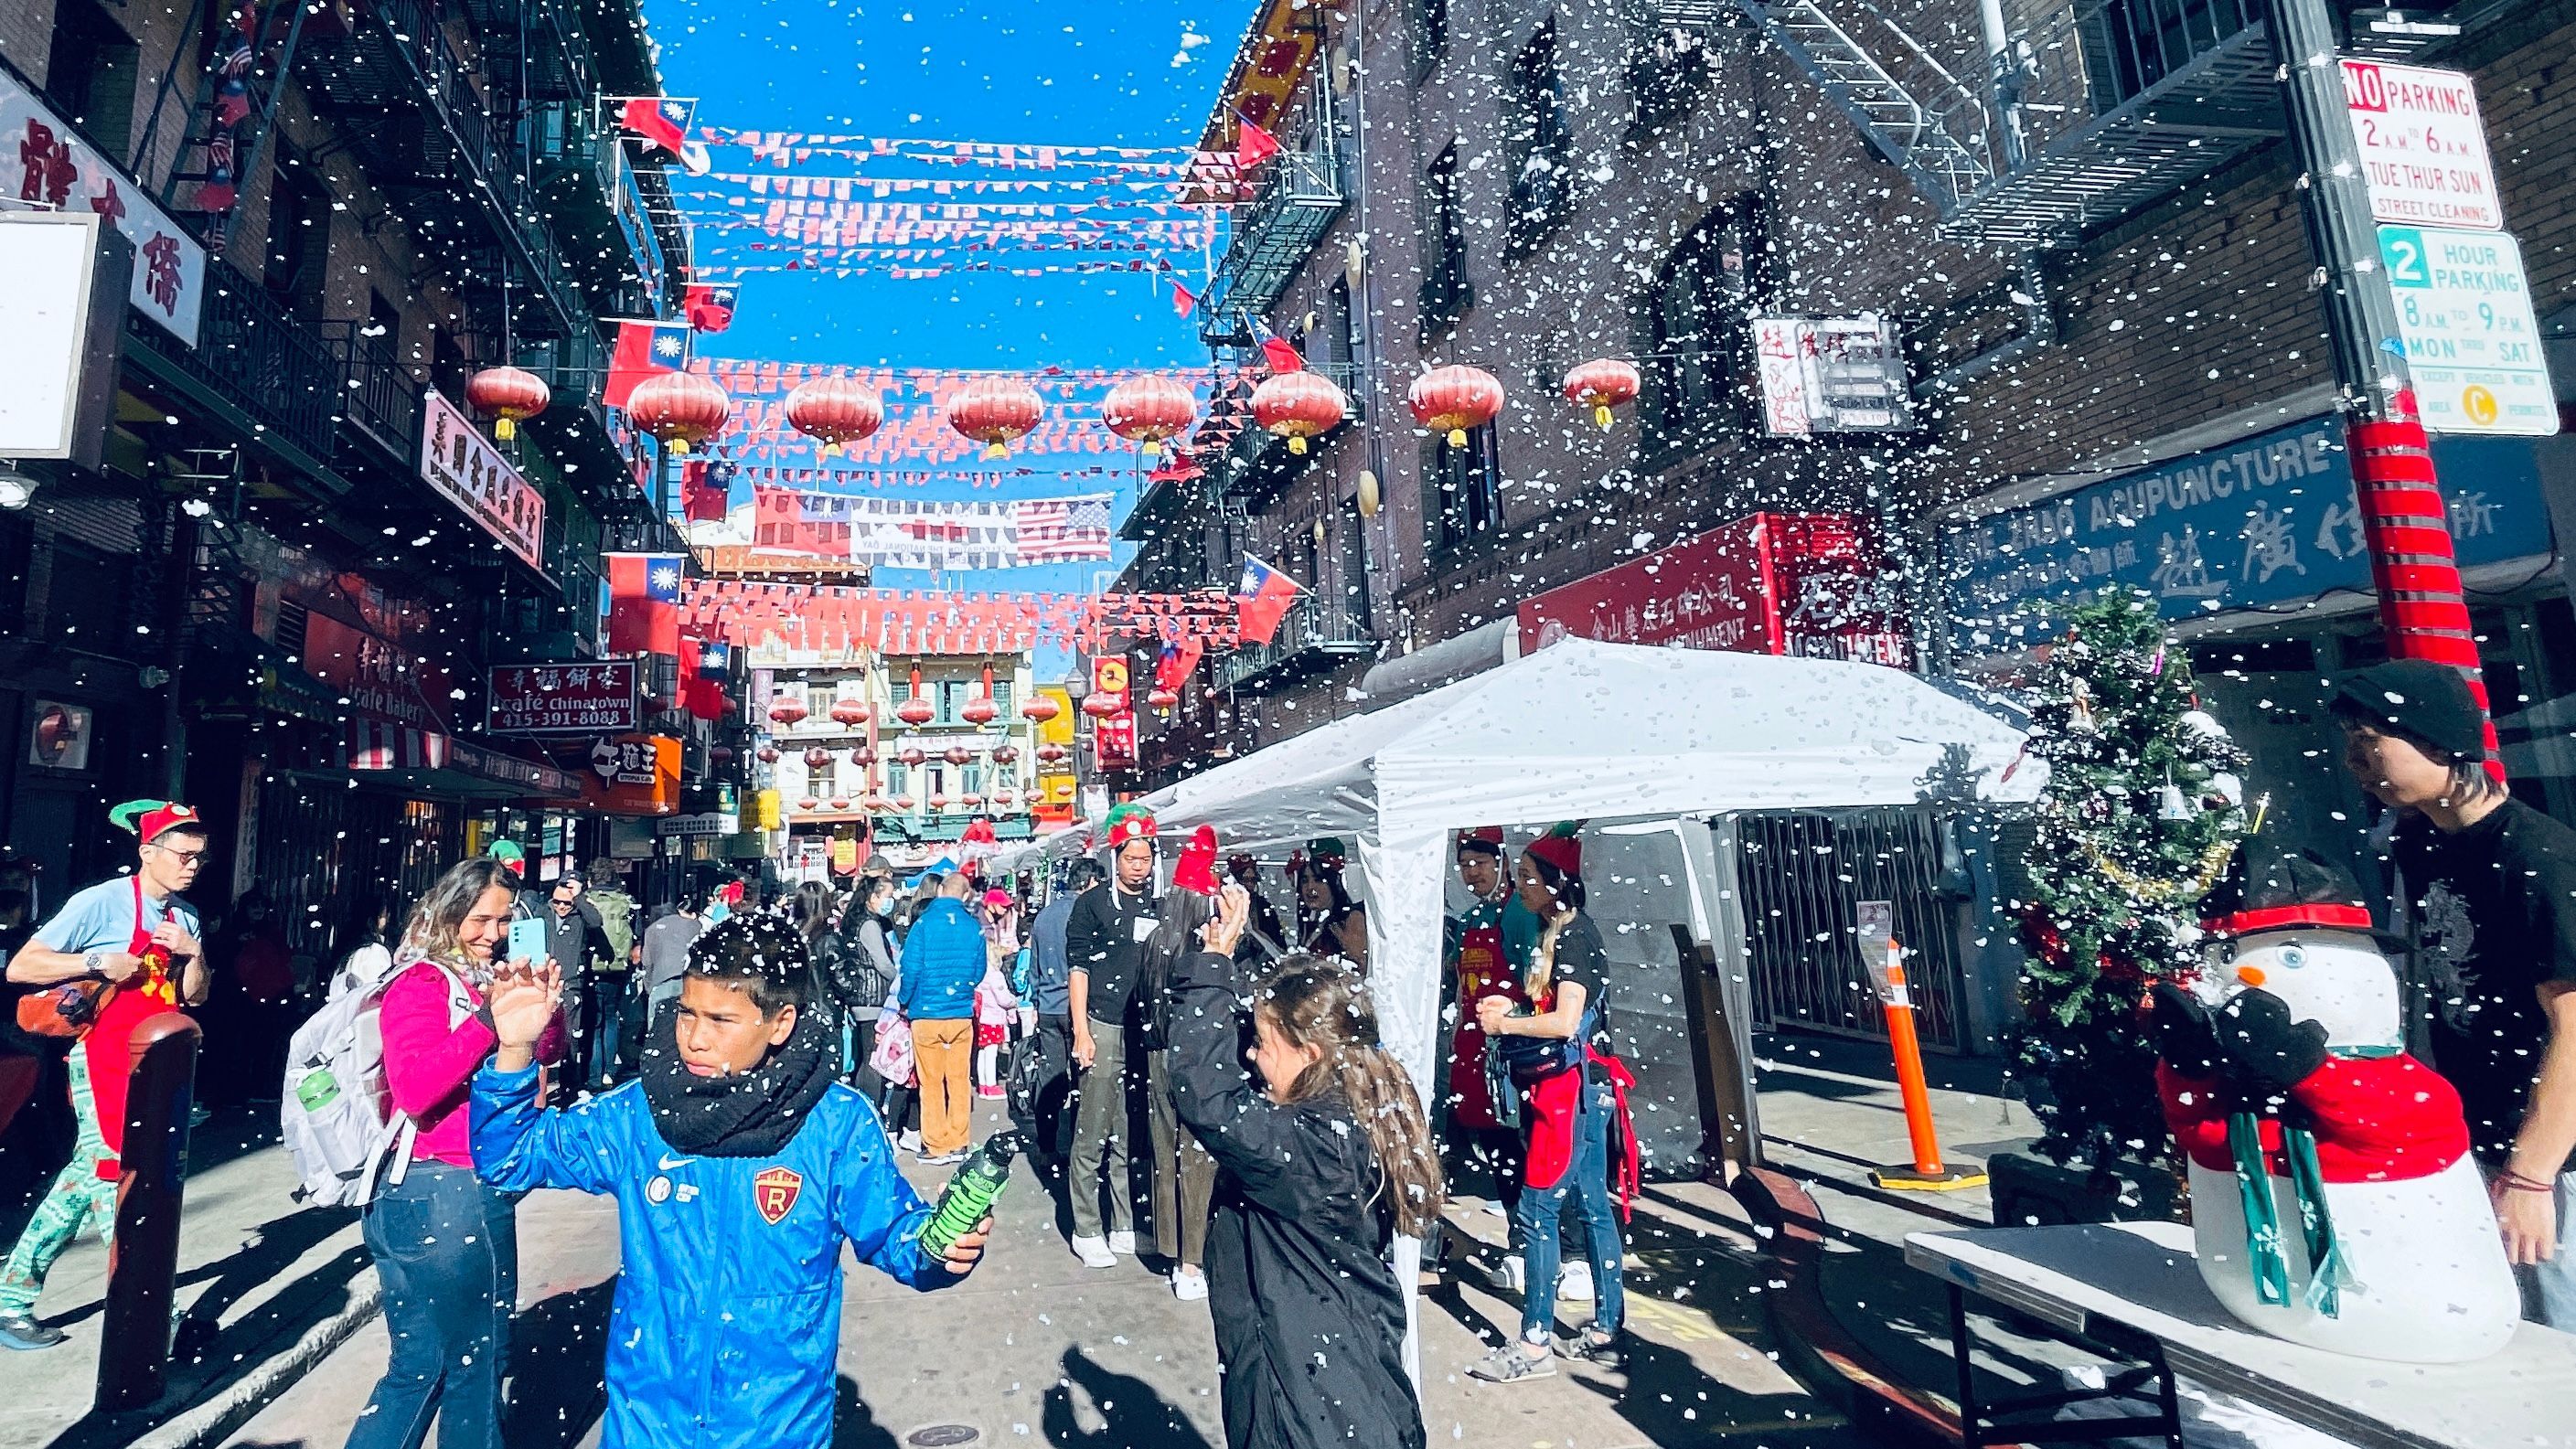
(143, 1265)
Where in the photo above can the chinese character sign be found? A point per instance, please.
(43, 164)
(469, 472)
(574, 698)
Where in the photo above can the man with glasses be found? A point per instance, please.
(135, 934)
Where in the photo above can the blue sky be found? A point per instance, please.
(1055, 72)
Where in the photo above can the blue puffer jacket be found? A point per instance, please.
(727, 1321)
(943, 962)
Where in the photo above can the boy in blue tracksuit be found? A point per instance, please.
(740, 1164)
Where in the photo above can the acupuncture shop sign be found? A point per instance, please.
(562, 699)
(469, 472)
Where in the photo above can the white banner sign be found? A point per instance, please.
(2423, 148)
(2472, 344)
(1832, 375)
(43, 164)
(461, 464)
(711, 823)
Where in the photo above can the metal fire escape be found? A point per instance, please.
(1300, 192)
(235, 108)
(2092, 110)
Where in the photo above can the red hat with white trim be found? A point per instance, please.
(152, 819)
(2276, 890)
(1125, 823)
(1195, 872)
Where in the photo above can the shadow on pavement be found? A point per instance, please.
(854, 1424)
(1133, 1416)
(558, 1369)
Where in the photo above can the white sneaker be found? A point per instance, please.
(1094, 1252)
(1574, 1282)
(1515, 1273)
(908, 1140)
(1189, 1284)
(1123, 1243)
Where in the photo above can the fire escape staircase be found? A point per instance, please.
(235, 107)
(1915, 137)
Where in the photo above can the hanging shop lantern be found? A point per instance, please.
(510, 394)
(981, 711)
(1453, 399)
(1298, 406)
(915, 710)
(1149, 410)
(1366, 495)
(840, 803)
(768, 754)
(938, 803)
(836, 411)
(1039, 708)
(913, 759)
(720, 754)
(879, 804)
(1003, 799)
(996, 412)
(1162, 700)
(786, 708)
(903, 802)
(680, 408)
(970, 800)
(810, 802)
(863, 757)
(848, 711)
(958, 755)
(1052, 753)
(1103, 706)
(818, 758)
(1602, 384)
(1006, 754)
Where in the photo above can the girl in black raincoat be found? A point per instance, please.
(1321, 1163)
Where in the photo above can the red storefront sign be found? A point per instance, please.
(1809, 584)
(378, 677)
(1113, 735)
(562, 699)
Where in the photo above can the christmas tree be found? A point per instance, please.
(2142, 812)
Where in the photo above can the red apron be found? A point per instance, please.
(110, 1039)
(1481, 973)
(1550, 1110)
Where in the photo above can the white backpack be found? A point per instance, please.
(336, 1112)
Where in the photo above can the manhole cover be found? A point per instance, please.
(940, 1434)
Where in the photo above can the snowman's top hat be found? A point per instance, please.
(2271, 889)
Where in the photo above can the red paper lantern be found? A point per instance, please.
(970, 800)
(1102, 706)
(850, 712)
(817, 758)
(938, 803)
(916, 711)
(914, 757)
(1051, 753)
(903, 802)
(1602, 384)
(996, 412)
(1005, 754)
(720, 754)
(981, 711)
(863, 757)
(959, 754)
(1039, 708)
(680, 408)
(786, 709)
(1162, 699)
(1003, 798)
(768, 754)
(809, 803)
(1453, 399)
(1298, 406)
(879, 803)
(840, 803)
(1149, 409)
(837, 410)
(510, 395)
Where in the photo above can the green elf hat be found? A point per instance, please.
(1126, 822)
(508, 853)
(149, 820)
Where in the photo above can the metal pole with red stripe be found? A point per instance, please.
(2423, 608)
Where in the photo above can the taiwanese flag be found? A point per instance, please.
(644, 603)
(645, 348)
(706, 489)
(1261, 599)
(664, 121)
(1177, 663)
(1277, 353)
(708, 307)
(701, 695)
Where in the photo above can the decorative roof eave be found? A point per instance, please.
(1272, 62)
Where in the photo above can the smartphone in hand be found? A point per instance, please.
(527, 940)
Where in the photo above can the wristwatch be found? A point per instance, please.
(95, 963)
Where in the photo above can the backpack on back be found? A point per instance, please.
(335, 1111)
(617, 921)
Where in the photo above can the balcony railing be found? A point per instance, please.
(255, 357)
(1303, 190)
(1313, 637)
(380, 400)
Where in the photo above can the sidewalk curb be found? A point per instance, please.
(210, 1421)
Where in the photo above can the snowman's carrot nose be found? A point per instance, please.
(2250, 975)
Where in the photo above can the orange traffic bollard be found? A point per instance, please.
(1927, 1172)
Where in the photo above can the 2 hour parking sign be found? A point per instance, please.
(2472, 343)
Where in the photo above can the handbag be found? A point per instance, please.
(892, 1058)
(66, 1009)
(1530, 1060)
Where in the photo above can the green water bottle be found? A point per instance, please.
(971, 1193)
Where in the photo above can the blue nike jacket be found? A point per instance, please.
(727, 1321)
(943, 962)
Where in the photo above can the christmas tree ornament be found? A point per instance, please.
(2170, 805)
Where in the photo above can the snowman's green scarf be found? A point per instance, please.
(2329, 1273)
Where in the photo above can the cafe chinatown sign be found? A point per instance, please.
(539, 698)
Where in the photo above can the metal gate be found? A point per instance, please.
(323, 848)
(1802, 876)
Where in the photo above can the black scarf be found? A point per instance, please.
(745, 1116)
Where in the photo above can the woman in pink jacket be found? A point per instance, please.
(446, 1246)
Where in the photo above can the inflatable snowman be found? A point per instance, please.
(2334, 1202)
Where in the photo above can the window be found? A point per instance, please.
(952, 696)
(2131, 45)
(1540, 144)
(1355, 595)
(1464, 490)
(1446, 294)
(1697, 324)
(1430, 35)
(90, 72)
(78, 611)
(898, 775)
(299, 237)
(17, 546)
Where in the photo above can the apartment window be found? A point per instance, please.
(1540, 144)
(299, 238)
(952, 697)
(1464, 488)
(1430, 35)
(2131, 45)
(1355, 563)
(90, 71)
(1699, 307)
(1446, 294)
(17, 549)
(79, 612)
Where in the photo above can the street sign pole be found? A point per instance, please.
(2423, 611)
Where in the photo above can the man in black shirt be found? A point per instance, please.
(1104, 941)
(2490, 884)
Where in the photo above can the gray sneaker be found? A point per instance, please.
(21, 1332)
(1514, 1362)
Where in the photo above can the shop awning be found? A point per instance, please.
(427, 762)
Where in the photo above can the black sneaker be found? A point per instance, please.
(23, 1333)
(1609, 1353)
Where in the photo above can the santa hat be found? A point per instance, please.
(2271, 889)
(1125, 823)
(1561, 847)
(1196, 872)
(1485, 838)
(152, 819)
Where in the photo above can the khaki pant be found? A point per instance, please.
(1184, 1175)
(1101, 1139)
(945, 1054)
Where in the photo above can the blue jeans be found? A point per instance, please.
(447, 1248)
(1541, 1212)
(2554, 1282)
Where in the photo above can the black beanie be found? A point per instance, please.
(2418, 698)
